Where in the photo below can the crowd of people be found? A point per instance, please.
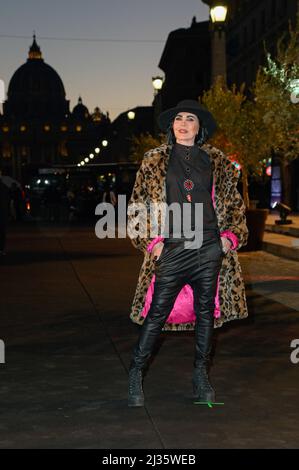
(72, 203)
(54, 204)
(60, 197)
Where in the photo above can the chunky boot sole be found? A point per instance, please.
(135, 401)
(208, 397)
(201, 395)
(135, 390)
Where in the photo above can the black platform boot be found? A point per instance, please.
(202, 389)
(141, 355)
(137, 368)
(135, 392)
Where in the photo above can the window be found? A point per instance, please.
(252, 70)
(282, 7)
(245, 37)
(253, 29)
(244, 73)
(263, 21)
(273, 8)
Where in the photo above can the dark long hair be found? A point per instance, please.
(200, 138)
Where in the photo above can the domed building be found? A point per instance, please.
(80, 111)
(36, 90)
(37, 128)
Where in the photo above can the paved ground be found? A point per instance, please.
(274, 215)
(282, 240)
(65, 297)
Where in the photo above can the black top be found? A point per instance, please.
(191, 162)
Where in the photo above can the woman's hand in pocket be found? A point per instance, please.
(226, 244)
(157, 250)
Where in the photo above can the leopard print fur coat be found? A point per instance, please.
(150, 186)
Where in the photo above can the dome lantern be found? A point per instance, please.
(80, 111)
(34, 51)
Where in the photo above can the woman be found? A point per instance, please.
(181, 288)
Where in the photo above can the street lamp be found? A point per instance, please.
(218, 14)
(97, 150)
(284, 211)
(91, 156)
(104, 143)
(157, 83)
(131, 115)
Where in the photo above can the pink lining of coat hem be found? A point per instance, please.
(183, 309)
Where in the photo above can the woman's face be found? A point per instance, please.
(185, 128)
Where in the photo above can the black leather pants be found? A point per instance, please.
(177, 266)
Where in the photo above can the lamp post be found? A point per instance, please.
(131, 115)
(157, 83)
(218, 14)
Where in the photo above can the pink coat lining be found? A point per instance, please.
(183, 309)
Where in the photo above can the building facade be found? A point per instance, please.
(37, 128)
(186, 64)
(252, 27)
(124, 129)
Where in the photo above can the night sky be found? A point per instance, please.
(112, 75)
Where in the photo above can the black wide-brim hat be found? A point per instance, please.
(189, 106)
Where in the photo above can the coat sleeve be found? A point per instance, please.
(139, 232)
(234, 222)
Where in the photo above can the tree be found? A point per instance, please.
(242, 135)
(143, 143)
(273, 89)
(250, 129)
